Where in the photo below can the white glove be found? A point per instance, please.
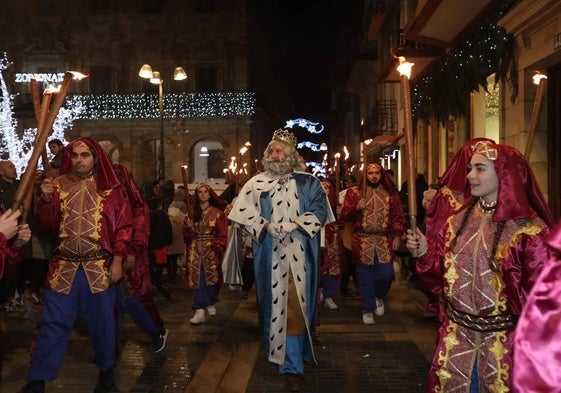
(287, 227)
(275, 232)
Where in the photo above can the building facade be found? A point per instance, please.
(110, 41)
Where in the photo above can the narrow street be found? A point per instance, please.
(224, 353)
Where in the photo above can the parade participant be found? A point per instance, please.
(378, 224)
(206, 234)
(331, 252)
(134, 296)
(11, 250)
(537, 355)
(283, 209)
(348, 268)
(440, 202)
(89, 220)
(484, 261)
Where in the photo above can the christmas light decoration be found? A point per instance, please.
(318, 169)
(176, 105)
(487, 49)
(307, 124)
(19, 148)
(310, 145)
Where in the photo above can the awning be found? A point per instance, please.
(442, 22)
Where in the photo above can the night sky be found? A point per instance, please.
(309, 41)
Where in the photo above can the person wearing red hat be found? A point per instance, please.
(485, 261)
(205, 235)
(378, 222)
(89, 220)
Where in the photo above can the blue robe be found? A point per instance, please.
(308, 206)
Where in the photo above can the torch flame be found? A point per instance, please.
(404, 67)
(346, 152)
(52, 89)
(243, 150)
(368, 141)
(78, 75)
(538, 77)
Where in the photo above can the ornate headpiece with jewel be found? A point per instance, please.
(284, 136)
(485, 148)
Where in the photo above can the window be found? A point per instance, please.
(206, 79)
(101, 80)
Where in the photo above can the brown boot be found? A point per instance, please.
(294, 382)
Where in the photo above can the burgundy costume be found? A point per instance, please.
(89, 220)
(484, 293)
(374, 229)
(537, 355)
(206, 242)
(135, 296)
(331, 248)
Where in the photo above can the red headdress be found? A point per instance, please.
(519, 195)
(132, 192)
(105, 175)
(385, 179)
(454, 177)
(214, 200)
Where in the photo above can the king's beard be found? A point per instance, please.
(373, 184)
(277, 167)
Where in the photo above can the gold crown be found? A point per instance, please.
(485, 148)
(285, 136)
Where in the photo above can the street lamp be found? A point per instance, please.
(179, 74)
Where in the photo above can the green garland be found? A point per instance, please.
(446, 90)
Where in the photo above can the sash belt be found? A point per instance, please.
(491, 323)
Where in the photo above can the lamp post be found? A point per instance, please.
(155, 78)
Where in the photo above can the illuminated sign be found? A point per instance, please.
(44, 77)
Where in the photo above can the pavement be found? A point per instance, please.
(224, 354)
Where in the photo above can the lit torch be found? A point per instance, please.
(538, 79)
(404, 70)
(46, 121)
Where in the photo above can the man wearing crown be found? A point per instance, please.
(283, 210)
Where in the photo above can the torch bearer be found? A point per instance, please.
(538, 79)
(404, 70)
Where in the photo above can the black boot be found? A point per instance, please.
(33, 387)
(105, 382)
